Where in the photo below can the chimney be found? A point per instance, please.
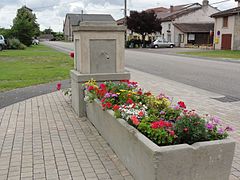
(171, 8)
(238, 2)
(205, 3)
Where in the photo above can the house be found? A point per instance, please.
(227, 29)
(46, 37)
(188, 24)
(75, 19)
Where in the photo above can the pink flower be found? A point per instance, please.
(141, 113)
(209, 126)
(172, 133)
(59, 86)
(135, 120)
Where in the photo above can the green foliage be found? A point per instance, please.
(190, 129)
(47, 31)
(15, 44)
(7, 33)
(144, 23)
(160, 135)
(25, 26)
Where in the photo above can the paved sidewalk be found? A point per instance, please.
(197, 99)
(16, 95)
(41, 138)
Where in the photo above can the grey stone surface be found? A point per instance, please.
(42, 138)
(146, 160)
(99, 50)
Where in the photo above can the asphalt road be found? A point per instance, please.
(216, 76)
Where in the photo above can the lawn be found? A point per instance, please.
(216, 54)
(35, 65)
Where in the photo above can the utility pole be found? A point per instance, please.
(125, 19)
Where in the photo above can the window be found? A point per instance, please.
(169, 37)
(225, 21)
(169, 26)
(181, 38)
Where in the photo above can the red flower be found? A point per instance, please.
(90, 88)
(182, 104)
(59, 86)
(127, 81)
(71, 54)
(116, 107)
(109, 105)
(103, 99)
(139, 93)
(148, 93)
(103, 106)
(141, 113)
(101, 92)
(168, 124)
(103, 86)
(158, 124)
(185, 129)
(135, 120)
(129, 101)
(161, 124)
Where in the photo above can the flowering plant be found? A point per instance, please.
(156, 117)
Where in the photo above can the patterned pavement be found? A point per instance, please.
(42, 138)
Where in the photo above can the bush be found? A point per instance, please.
(15, 44)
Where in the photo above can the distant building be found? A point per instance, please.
(46, 37)
(187, 24)
(227, 29)
(75, 19)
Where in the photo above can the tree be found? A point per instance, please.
(25, 26)
(144, 23)
(6, 33)
(47, 31)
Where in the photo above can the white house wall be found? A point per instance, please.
(66, 25)
(223, 30)
(199, 16)
(236, 43)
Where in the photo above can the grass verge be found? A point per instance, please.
(35, 65)
(215, 54)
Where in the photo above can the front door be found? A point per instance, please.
(226, 41)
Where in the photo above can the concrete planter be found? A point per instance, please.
(147, 161)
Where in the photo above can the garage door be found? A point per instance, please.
(226, 41)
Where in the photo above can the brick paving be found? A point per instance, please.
(199, 99)
(42, 138)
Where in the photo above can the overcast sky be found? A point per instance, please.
(51, 13)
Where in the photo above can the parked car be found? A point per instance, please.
(35, 42)
(162, 43)
(2, 43)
